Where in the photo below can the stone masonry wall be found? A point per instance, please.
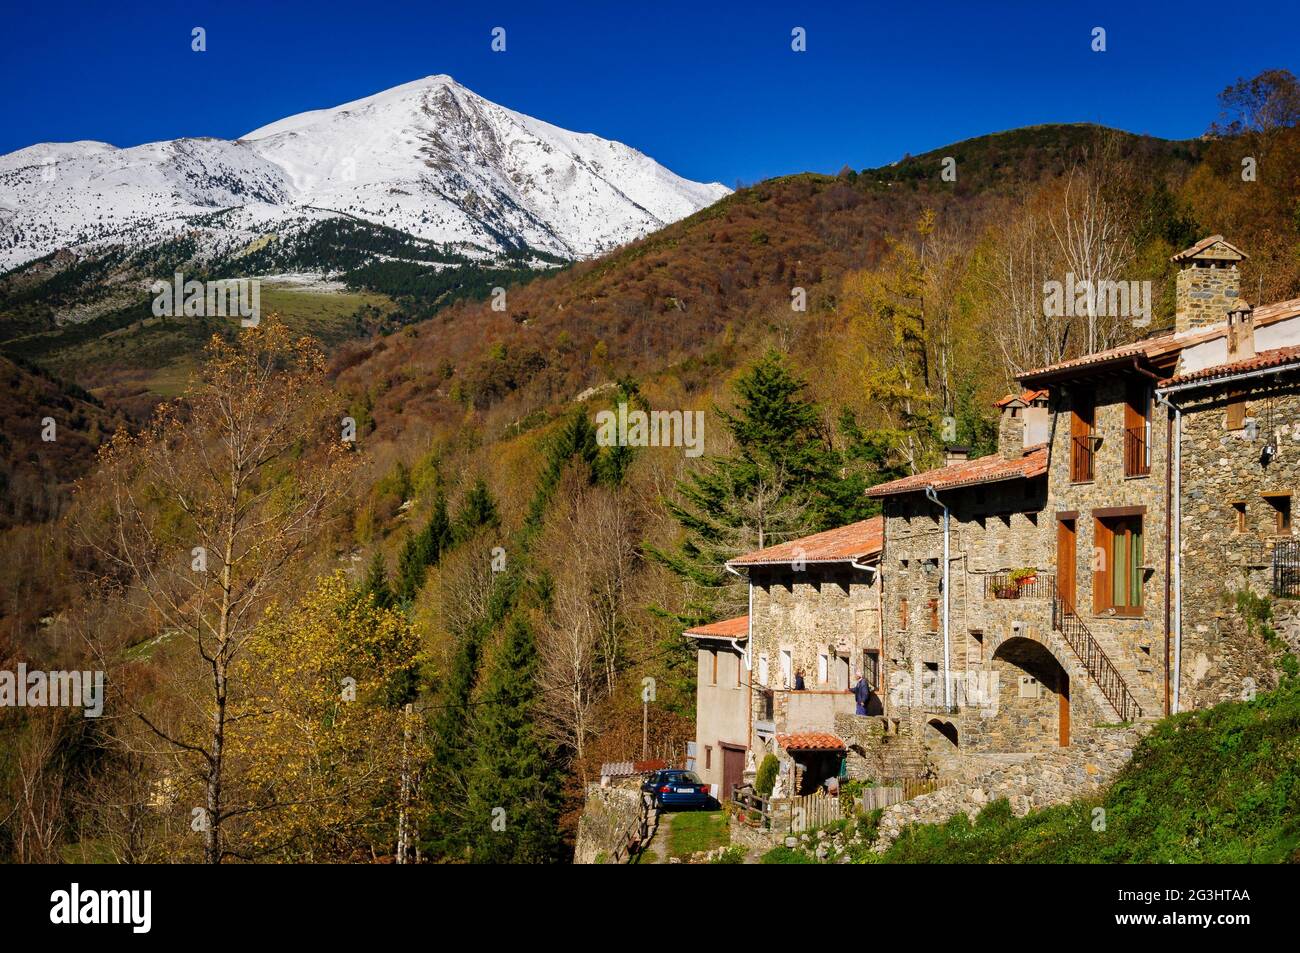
(1204, 296)
(1220, 468)
(1135, 644)
(1052, 778)
(609, 816)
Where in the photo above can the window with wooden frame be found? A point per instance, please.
(1083, 415)
(1137, 431)
(871, 667)
(713, 661)
(1239, 524)
(708, 756)
(902, 613)
(1236, 418)
(1117, 574)
(1281, 504)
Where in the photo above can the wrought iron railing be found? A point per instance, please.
(1002, 585)
(1094, 658)
(1137, 461)
(1081, 455)
(1286, 569)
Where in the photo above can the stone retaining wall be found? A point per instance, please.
(610, 816)
(1046, 779)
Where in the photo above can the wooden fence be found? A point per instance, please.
(899, 790)
(813, 810)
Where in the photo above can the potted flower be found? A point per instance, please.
(1025, 576)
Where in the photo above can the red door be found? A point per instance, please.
(733, 770)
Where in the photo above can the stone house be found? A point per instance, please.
(1124, 482)
(815, 615)
(1082, 575)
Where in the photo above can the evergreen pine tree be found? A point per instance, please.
(476, 511)
(422, 550)
(513, 785)
(446, 782)
(780, 483)
(376, 582)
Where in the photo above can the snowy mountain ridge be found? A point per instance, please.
(429, 158)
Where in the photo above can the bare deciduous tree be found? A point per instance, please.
(206, 513)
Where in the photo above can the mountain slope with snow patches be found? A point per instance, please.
(429, 158)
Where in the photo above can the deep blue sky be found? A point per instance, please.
(711, 90)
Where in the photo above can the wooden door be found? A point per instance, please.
(733, 770)
(1066, 556)
(1063, 701)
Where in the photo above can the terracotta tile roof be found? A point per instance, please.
(1025, 397)
(1167, 344)
(1147, 347)
(991, 469)
(1260, 362)
(1204, 243)
(843, 544)
(811, 741)
(726, 629)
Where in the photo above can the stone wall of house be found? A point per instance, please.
(821, 609)
(1135, 644)
(611, 817)
(880, 748)
(1222, 470)
(1050, 778)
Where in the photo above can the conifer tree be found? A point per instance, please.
(478, 510)
(423, 549)
(513, 785)
(781, 483)
(376, 583)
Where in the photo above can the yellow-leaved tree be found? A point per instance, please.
(321, 747)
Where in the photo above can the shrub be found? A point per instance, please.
(766, 778)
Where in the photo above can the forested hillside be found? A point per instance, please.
(439, 577)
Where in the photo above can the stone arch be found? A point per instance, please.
(945, 728)
(1033, 695)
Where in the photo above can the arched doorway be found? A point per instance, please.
(1033, 696)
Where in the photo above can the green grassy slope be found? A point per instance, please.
(1214, 786)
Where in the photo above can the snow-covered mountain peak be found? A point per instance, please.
(429, 157)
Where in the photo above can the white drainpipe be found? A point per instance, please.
(933, 497)
(1162, 396)
(1177, 544)
(749, 623)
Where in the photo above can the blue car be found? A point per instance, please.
(677, 788)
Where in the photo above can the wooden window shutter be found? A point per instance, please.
(1103, 558)
(1236, 410)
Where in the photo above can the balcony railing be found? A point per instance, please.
(1081, 454)
(1001, 585)
(1137, 457)
(1286, 570)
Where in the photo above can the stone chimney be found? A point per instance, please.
(1011, 428)
(1209, 283)
(953, 455)
(1241, 332)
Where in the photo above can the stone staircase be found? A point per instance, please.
(1102, 672)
